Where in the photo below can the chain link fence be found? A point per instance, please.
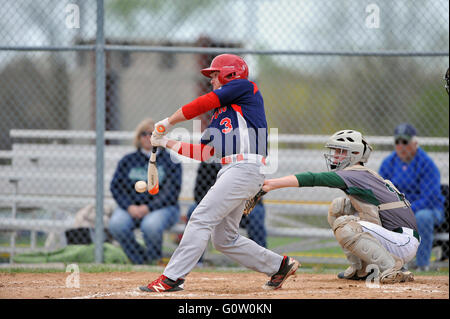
(321, 66)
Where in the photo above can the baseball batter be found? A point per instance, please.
(237, 138)
(374, 223)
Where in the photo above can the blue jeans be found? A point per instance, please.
(426, 220)
(152, 225)
(253, 223)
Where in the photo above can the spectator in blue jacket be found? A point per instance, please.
(416, 175)
(151, 213)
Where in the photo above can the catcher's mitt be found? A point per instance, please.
(251, 203)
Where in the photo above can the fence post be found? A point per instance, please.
(99, 128)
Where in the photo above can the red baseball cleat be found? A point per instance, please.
(288, 267)
(163, 284)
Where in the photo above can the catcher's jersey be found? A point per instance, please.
(368, 188)
(239, 125)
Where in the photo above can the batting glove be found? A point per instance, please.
(159, 140)
(162, 127)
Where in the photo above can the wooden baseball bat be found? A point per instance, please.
(152, 173)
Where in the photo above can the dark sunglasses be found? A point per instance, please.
(146, 133)
(401, 141)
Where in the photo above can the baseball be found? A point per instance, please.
(140, 186)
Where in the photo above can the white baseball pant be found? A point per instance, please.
(403, 245)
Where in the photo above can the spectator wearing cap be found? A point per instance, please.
(415, 174)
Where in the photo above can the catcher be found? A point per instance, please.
(374, 223)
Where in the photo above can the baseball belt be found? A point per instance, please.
(252, 158)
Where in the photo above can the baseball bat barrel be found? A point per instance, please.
(152, 173)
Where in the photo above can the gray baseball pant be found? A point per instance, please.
(218, 216)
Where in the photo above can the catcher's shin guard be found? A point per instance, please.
(356, 270)
(350, 235)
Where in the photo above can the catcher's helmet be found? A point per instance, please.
(358, 150)
(447, 81)
(227, 64)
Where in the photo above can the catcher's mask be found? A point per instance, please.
(447, 81)
(346, 148)
(226, 65)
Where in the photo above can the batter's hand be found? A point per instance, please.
(159, 140)
(162, 127)
(251, 203)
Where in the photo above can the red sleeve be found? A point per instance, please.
(201, 105)
(199, 152)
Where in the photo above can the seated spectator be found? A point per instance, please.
(415, 174)
(153, 214)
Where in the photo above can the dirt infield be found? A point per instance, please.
(207, 285)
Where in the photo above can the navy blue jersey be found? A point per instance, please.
(239, 125)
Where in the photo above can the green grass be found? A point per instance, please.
(105, 268)
(273, 242)
(91, 268)
(22, 240)
(15, 270)
(335, 252)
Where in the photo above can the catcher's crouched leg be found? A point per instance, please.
(339, 207)
(351, 237)
(357, 268)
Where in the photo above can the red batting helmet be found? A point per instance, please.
(227, 64)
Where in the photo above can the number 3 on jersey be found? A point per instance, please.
(227, 123)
